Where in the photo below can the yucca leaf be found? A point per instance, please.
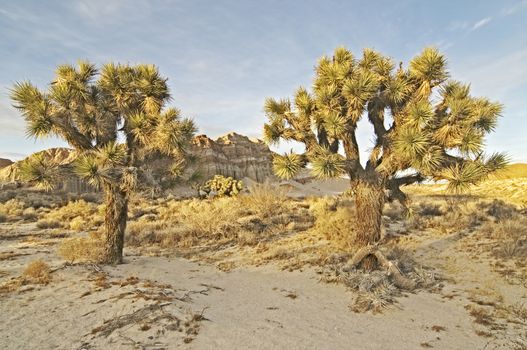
(411, 143)
(111, 154)
(40, 172)
(429, 66)
(88, 169)
(288, 165)
(463, 175)
(328, 165)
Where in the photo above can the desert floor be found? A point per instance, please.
(191, 301)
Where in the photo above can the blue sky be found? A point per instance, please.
(223, 58)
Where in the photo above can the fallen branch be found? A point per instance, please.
(398, 278)
(111, 325)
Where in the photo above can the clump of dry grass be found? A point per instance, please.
(37, 272)
(48, 224)
(210, 217)
(76, 215)
(82, 249)
(395, 211)
(430, 209)
(334, 220)
(508, 237)
(12, 210)
(265, 199)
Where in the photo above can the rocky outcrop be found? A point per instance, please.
(233, 155)
(230, 155)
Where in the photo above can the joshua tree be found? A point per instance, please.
(425, 127)
(113, 119)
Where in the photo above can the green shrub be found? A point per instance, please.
(222, 186)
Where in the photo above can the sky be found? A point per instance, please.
(223, 58)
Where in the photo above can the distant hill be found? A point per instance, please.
(512, 171)
(5, 162)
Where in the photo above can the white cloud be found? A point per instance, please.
(481, 23)
(496, 76)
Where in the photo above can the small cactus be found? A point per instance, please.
(222, 186)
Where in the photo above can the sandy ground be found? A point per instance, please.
(169, 303)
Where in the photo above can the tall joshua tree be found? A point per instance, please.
(425, 127)
(113, 118)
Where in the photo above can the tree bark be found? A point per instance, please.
(369, 202)
(115, 219)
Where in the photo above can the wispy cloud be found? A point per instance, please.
(496, 76)
(482, 22)
(511, 10)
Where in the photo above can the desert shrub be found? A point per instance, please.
(90, 197)
(77, 223)
(77, 215)
(7, 195)
(430, 209)
(143, 232)
(394, 211)
(169, 212)
(222, 186)
(209, 217)
(509, 236)
(29, 214)
(265, 199)
(82, 249)
(37, 272)
(498, 209)
(334, 220)
(13, 209)
(48, 224)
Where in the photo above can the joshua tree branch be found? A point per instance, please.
(351, 148)
(72, 135)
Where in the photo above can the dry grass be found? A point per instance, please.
(210, 217)
(48, 224)
(210, 224)
(265, 199)
(334, 220)
(12, 210)
(81, 249)
(507, 237)
(37, 272)
(76, 215)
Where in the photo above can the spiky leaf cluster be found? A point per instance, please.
(421, 120)
(114, 117)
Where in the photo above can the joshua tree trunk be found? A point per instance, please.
(115, 223)
(369, 202)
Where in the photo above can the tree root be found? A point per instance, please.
(372, 250)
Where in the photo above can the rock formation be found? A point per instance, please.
(233, 155)
(230, 155)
